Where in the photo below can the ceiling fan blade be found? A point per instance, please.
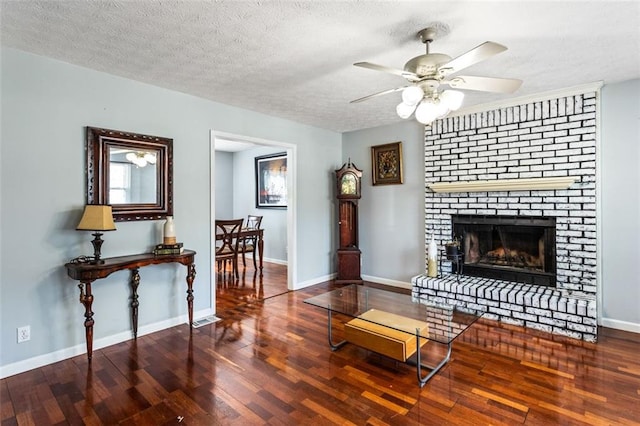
(389, 70)
(475, 55)
(484, 84)
(385, 92)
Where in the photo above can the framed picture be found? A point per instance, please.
(271, 181)
(386, 163)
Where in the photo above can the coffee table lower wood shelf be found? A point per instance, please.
(395, 325)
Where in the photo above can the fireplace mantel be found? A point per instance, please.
(548, 183)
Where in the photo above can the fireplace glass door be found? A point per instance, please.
(512, 248)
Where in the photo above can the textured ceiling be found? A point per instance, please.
(294, 59)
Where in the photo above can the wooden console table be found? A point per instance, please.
(86, 273)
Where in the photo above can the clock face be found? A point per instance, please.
(348, 184)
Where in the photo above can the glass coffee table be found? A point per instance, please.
(395, 325)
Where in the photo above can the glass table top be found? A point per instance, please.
(398, 311)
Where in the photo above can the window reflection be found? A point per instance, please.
(119, 183)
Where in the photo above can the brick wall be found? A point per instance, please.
(550, 138)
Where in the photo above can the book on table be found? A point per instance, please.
(168, 249)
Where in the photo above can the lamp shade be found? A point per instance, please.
(96, 218)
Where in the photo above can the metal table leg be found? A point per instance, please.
(333, 346)
(420, 366)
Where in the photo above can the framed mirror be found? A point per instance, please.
(131, 172)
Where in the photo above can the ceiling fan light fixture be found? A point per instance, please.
(452, 99)
(442, 109)
(140, 159)
(426, 112)
(412, 95)
(404, 110)
(150, 158)
(426, 74)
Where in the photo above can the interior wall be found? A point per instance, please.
(620, 166)
(224, 191)
(391, 217)
(46, 105)
(274, 220)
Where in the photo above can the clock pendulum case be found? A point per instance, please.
(348, 180)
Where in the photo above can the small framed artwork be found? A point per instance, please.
(386, 163)
(271, 181)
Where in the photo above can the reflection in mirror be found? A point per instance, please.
(132, 176)
(131, 172)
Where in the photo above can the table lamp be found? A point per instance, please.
(96, 218)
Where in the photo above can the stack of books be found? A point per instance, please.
(163, 249)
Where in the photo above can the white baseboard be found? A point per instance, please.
(385, 281)
(62, 354)
(318, 280)
(378, 280)
(620, 325)
(276, 261)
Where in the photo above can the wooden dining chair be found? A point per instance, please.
(249, 243)
(227, 244)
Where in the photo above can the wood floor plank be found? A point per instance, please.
(501, 400)
(385, 403)
(547, 369)
(6, 406)
(268, 363)
(327, 413)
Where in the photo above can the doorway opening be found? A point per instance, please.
(233, 188)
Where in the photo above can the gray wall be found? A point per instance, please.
(224, 184)
(274, 221)
(46, 105)
(391, 217)
(620, 161)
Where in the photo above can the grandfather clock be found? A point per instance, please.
(348, 180)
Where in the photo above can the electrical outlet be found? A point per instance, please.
(24, 334)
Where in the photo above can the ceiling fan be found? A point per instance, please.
(427, 73)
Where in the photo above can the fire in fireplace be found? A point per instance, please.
(512, 248)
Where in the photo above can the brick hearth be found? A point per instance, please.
(542, 308)
(550, 138)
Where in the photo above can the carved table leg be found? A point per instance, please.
(135, 282)
(86, 298)
(260, 248)
(191, 274)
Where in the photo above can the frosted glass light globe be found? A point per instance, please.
(404, 111)
(412, 95)
(452, 99)
(426, 112)
(441, 109)
(150, 158)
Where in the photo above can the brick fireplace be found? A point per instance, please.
(549, 139)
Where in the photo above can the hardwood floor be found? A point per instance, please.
(250, 286)
(268, 362)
